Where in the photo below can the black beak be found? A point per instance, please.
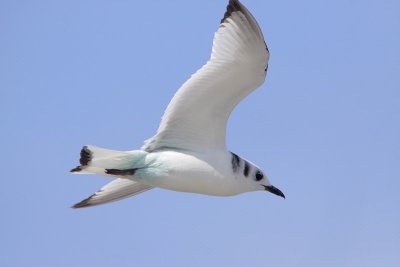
(274, 190)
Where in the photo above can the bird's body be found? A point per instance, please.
(207, 172)
(188, 152)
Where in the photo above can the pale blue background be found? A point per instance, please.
(324, 127)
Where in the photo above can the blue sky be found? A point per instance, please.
(324, 127)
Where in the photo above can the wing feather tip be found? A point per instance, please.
(233, 6)
(83, 204)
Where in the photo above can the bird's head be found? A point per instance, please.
(252, 176)
(264, 184)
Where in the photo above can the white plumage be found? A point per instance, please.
(197, 115)
(188, 152)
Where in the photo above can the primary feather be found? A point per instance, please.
(197, 115)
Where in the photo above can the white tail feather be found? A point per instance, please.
(96, 160)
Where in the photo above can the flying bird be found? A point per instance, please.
(188, 153)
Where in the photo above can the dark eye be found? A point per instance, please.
(259, 176)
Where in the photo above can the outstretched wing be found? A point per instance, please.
(197, 115)
(117, 189)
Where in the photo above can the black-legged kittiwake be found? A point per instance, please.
(188, 152)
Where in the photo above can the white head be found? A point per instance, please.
(253, 174)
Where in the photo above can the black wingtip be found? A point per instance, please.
(76, 169)
(86, 156)
(233, 6)
(83, 204)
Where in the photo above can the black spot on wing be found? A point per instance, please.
(235, 162)
(121, 172)
(233, 6)
(246, 169)
(86, 156)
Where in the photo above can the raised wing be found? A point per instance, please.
(197, 115)
(117, 189)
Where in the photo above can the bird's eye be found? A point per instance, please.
(259, 176)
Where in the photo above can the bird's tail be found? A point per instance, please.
(101, 161)
(120, 164)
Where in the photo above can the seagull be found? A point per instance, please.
(188, 153)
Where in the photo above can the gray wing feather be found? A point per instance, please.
(118, 189)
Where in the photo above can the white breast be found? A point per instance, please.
(203, 173)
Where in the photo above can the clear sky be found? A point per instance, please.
(324, 127)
